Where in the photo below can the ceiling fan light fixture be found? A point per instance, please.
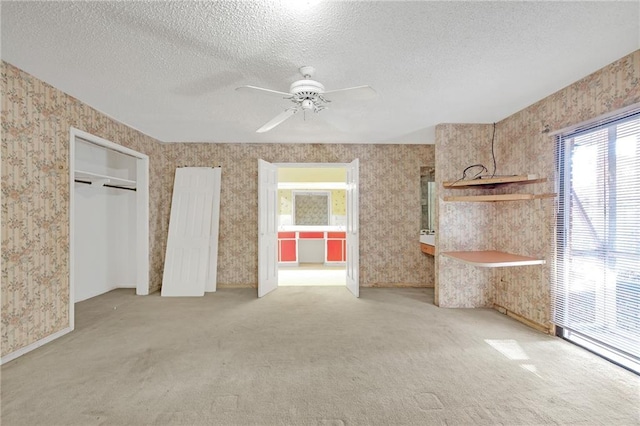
(301, 86)
(306, 95)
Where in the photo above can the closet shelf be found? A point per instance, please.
(498, 197)
(493, 181)
(492, 258)
(99, 179)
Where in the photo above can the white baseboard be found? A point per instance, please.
(126, 285)
(34, 345)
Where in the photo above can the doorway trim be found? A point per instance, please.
(142, 213)
(346, 166)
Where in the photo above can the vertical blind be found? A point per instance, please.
(596, 285)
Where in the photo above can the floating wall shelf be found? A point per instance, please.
(497, 197)
(492, 258)
(428, 249)
(493, 181)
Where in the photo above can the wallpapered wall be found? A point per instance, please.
(389, 204)
(35, 199)
(519, 227)
(284, 201)
(338, 201)
(36, 119)
(35, 202)
(461, 226)
(312, 210)
(523, 146)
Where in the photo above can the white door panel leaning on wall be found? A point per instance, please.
(192, 248)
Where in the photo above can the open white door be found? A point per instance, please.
(267, 227)
(186, 264)
(353, 228)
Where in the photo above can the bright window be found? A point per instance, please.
(596, 291)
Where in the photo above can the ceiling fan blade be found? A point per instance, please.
(358, 92)
(277, 120)
(263, 90)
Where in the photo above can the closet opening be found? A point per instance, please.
(109, 218)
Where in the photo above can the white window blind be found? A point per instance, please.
(596, 290)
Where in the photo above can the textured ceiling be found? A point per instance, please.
(170, 69)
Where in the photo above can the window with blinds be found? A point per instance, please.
(596, 290)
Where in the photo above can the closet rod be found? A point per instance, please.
(107, 185)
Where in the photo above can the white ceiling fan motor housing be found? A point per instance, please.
(302, 87)
(308, 94)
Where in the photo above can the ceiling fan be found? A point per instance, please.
(307, 95)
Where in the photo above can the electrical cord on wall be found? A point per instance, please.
(482, 167)
(493, 158)
(493, 154)
(478, 175)
(464, 173)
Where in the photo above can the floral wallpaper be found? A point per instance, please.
(389, 204)
(522, 146)
(284, 201)
(311, 210)
(338, 201)
(36, 119)
(461, 226)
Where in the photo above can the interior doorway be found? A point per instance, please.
(308, 225)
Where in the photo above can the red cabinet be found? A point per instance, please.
(336, 247)
(340, 235)
(310, 235)
(335, 252)
(287, 250)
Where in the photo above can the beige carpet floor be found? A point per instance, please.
(309, 356)
(312, 275)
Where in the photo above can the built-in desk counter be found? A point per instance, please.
(303, 228)
(312, 244)
(428, 244)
